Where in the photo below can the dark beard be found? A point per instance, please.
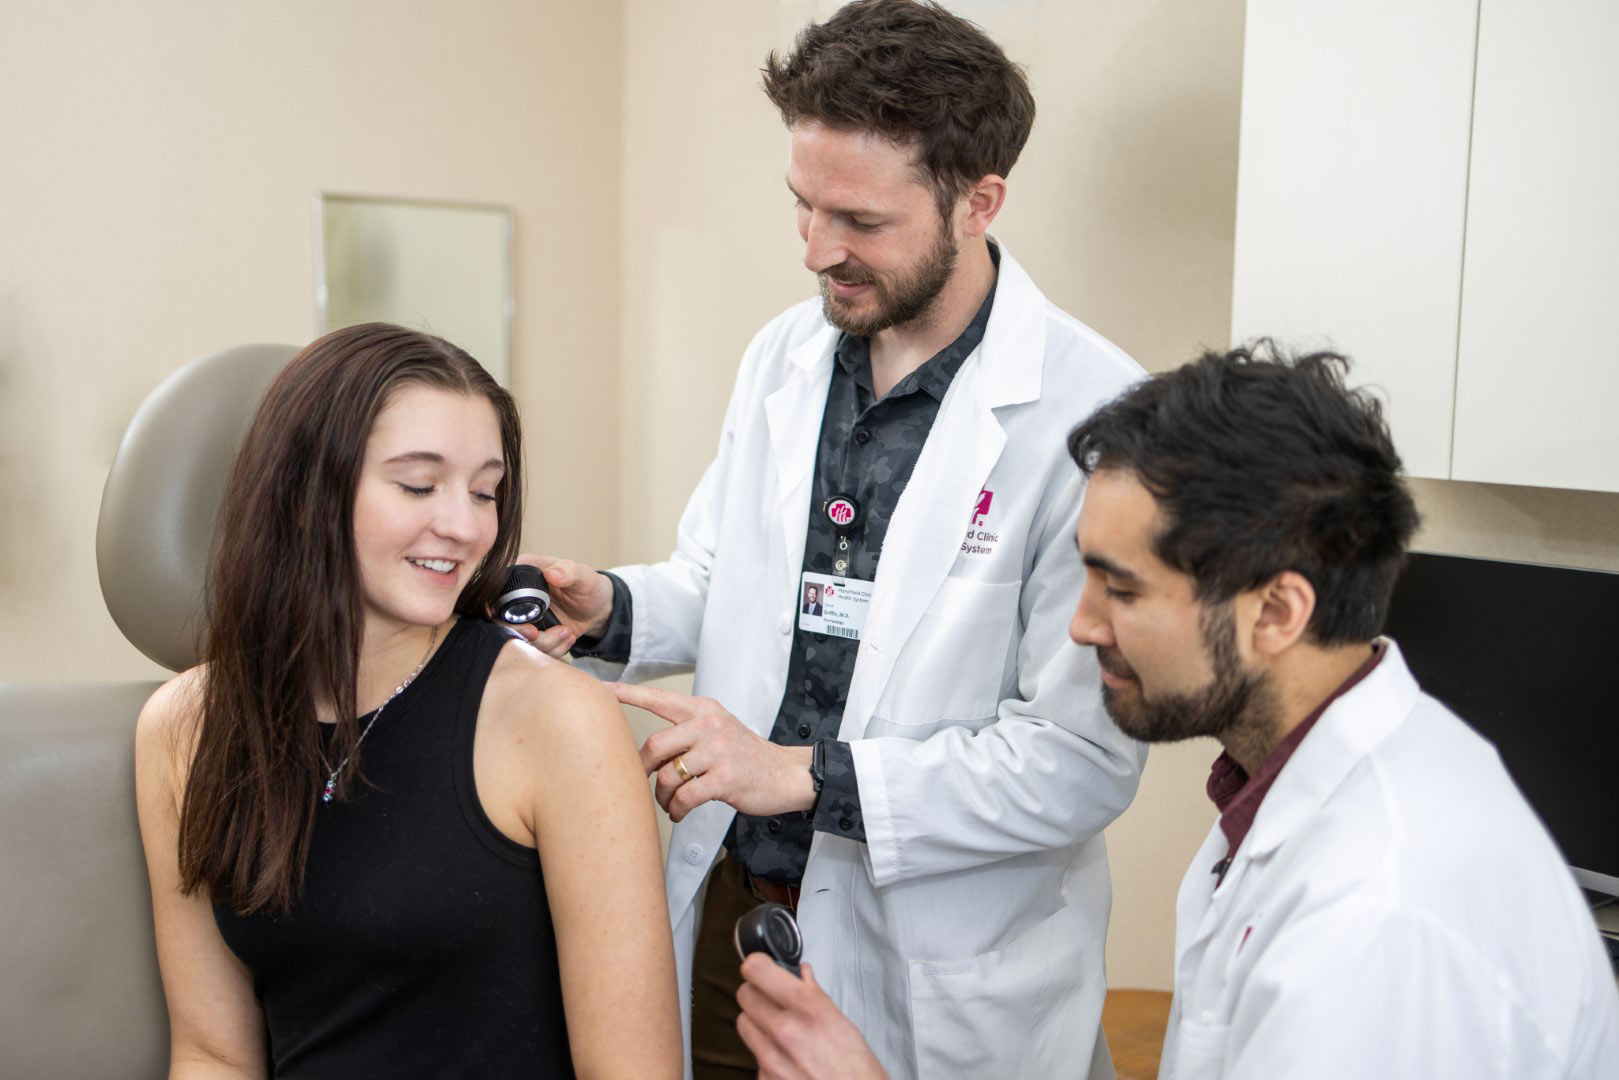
(909, 298)
(1234, 699)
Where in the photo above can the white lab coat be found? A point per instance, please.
(965, 937)
(1396, 911)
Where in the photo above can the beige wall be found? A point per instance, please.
(156, 203)
(1498, 521)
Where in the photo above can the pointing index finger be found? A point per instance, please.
(668, 705)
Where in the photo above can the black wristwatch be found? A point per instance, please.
(817, 767)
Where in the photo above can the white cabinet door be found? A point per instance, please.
(1351, 192)
(1538, 387)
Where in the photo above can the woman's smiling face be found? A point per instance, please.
(424, 508)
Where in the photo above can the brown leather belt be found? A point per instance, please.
(772, 891)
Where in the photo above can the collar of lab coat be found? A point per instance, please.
(1014, 341)
(1345, 734)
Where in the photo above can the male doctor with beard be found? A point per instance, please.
(1376, 899)
(923, 770)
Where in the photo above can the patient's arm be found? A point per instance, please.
(560, 755)
(216, 1027)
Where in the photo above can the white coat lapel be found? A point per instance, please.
(793, 414)
(924, 536)
(1195, 910)
(1341, 738)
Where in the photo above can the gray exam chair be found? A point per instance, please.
(79, 992)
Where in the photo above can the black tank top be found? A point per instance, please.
(422, 944)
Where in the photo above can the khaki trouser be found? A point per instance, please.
(717, 1051)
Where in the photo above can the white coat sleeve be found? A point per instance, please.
(1367, 990)
(1051, 771)
(668, 597)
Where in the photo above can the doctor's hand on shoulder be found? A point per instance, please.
(708, 755)
(581, 599)
(794, 1029)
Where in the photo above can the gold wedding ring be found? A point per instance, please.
(681, 770)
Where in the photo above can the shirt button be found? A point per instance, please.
(693, 854)
(775, 824)
(803, 731)
(845, 824)
(862, 436)
(785, 624)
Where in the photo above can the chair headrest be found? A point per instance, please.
(164, 492)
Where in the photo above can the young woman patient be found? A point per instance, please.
(384, 839)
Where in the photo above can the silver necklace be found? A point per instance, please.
(331, 781)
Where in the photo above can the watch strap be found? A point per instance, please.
(817, 768)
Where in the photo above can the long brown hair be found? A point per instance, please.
(285, 608)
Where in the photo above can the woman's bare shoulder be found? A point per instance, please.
(552, 704)
(169, 722)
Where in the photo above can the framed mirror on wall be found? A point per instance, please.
(443, 267)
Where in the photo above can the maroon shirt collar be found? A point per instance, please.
(1238, 796)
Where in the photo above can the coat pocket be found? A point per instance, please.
(1031, 1008)
(953, 665)
(1196, 1051)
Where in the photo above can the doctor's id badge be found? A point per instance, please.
(833, 605)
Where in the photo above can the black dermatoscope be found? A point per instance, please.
(772, 930)
(525, 598)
